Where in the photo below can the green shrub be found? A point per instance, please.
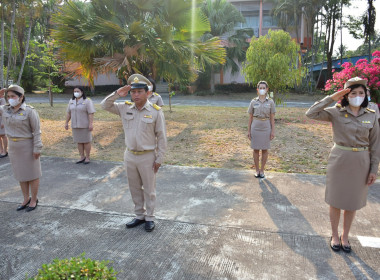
(76, 268)
(235, 87)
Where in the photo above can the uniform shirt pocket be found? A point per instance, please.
(256, 109)
(147, 122)
(128, 120)
(21, 120)
(266, 110)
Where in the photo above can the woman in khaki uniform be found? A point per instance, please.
(3, 138)
(22, 127)
(354, 158)
(261, 126)
(81, 113)
(153, 96)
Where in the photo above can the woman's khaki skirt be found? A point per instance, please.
(82, 135)
(2, 130)
(25, 167)
(260, 134)
(346, 180)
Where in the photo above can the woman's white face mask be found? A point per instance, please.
(14, 101)
(356, 101)
(262, 91)
(77, 94)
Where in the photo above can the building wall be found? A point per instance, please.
(101, 80)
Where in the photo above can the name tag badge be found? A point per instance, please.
(256, 105)
(129, 113)
(267, 105)
(148, 116)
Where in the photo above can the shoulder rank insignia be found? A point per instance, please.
(155, 106)
(155, 93)
(128, 102)
(30, 106)
(338, 105)
(370, 110)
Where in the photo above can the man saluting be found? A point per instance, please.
(145, 140)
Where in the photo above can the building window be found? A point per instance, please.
(268, 20)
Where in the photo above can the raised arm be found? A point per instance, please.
(109, 104)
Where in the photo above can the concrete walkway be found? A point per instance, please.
(211, 224)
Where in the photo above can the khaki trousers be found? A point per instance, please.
(142, 183)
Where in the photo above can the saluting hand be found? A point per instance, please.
(371, 179)
(123, 91)
(36, 155)
(339, 94)
(156, 166)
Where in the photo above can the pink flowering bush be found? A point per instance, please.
(362, 69)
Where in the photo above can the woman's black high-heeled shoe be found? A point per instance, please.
(345, 248)
(32, 208)
(22, 207)
(334, 247)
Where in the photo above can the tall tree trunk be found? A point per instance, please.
(370, 28)
(2, 49)
(323, 58)
(212, 80)
(330, 46)
(11, 40)
(26, 51)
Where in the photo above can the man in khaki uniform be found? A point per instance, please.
(145, 140)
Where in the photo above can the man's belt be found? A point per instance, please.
(261, 119)
(351, 148)
(139, 152)
(16, 139)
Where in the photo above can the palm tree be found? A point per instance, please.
(11, 40)
(224, 17)
(136, 36)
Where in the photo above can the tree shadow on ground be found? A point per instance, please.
(359, 267)
(288, 218)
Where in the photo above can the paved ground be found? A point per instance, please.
(181, 100)
(211, 224)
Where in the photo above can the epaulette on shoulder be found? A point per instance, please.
(155, 106)
(370, 110)
(155, 93)
(128, 102)
(30, 106)
(338, 105)
(88, 98)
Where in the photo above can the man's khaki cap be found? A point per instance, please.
(355, 81)
(138, 81)
(15, 88)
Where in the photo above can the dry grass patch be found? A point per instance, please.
(202, 136)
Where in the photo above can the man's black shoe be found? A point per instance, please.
(134, 223)
(149, 226)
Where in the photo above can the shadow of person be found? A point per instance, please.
(359, 269)
(291, 223)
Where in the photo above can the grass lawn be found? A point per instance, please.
(202, 136)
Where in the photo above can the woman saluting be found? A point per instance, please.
(354, 159)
